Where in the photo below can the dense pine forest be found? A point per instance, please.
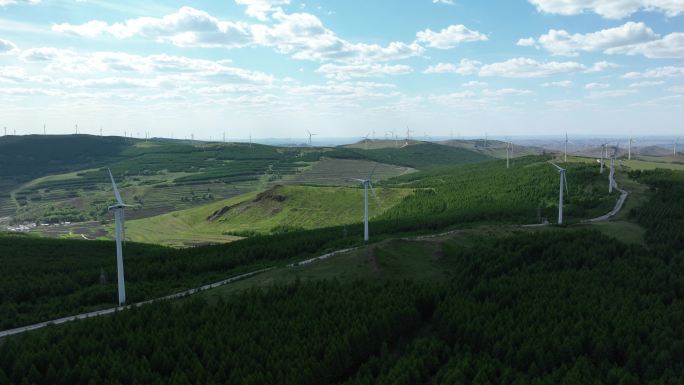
(554, 306)
(74, 276)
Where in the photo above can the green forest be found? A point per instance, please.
(554, 306)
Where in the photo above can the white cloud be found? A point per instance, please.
(67, 61)
(10, 2)
(303, 36)
(450, 2)
(646, 84)
(611, 9)
(260, 9)
(676, 89)
(601, 66)
(560, 42)
(505, 92)
(596, 86)
(669, 47)
(449, 37)
(188, 27)
(562, 84)
(7, 47)
(345, 72)
(529, 68)
(453, 98)
(526, 42)
(465, 67)
(474, 83)
(12, 74)
(610, 94)
(660, 72)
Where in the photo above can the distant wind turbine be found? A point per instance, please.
(365, 141)
(120, 234)
(674, 150)
(367, 185)
(76, 128)
(611, 175)
(604, 149)
(509, 153)
(311, 135)
(44, 129)
(563, 183)
(408, 135)
(629, 148)
(565, 159)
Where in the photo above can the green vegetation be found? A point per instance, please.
(49, 278)
(488, 303)
(548, 307)
(422, 155)
(279, 209)
(525, 193)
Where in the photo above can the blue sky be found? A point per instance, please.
(342, 68)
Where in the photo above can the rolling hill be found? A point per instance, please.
(275, 210)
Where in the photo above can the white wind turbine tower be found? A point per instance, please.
(629, 148)
(674, 150)
(563, 183)
(365, 141)
(565, 158)
(310, 137)
(611, 175)
(604, 149)
(366, 186)
(120, 234)
(408, 135)
(509, 153)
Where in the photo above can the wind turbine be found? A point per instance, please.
(120, 234)
(76, 128)
(603, 149)
(394, 136)
(44, 130)
(674, 150)
(563, 182)
(366, 186)
(611, 175)
(565, 159)
(310, 137)
(408, 135)
(365, 141)
(509, 153)
(629, 148)
(5, 127)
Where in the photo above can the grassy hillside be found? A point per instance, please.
(279, 209)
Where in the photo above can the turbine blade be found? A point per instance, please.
(373, 172)
(116, 191)
(377, 200)
(557, 166)
(123, 226)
